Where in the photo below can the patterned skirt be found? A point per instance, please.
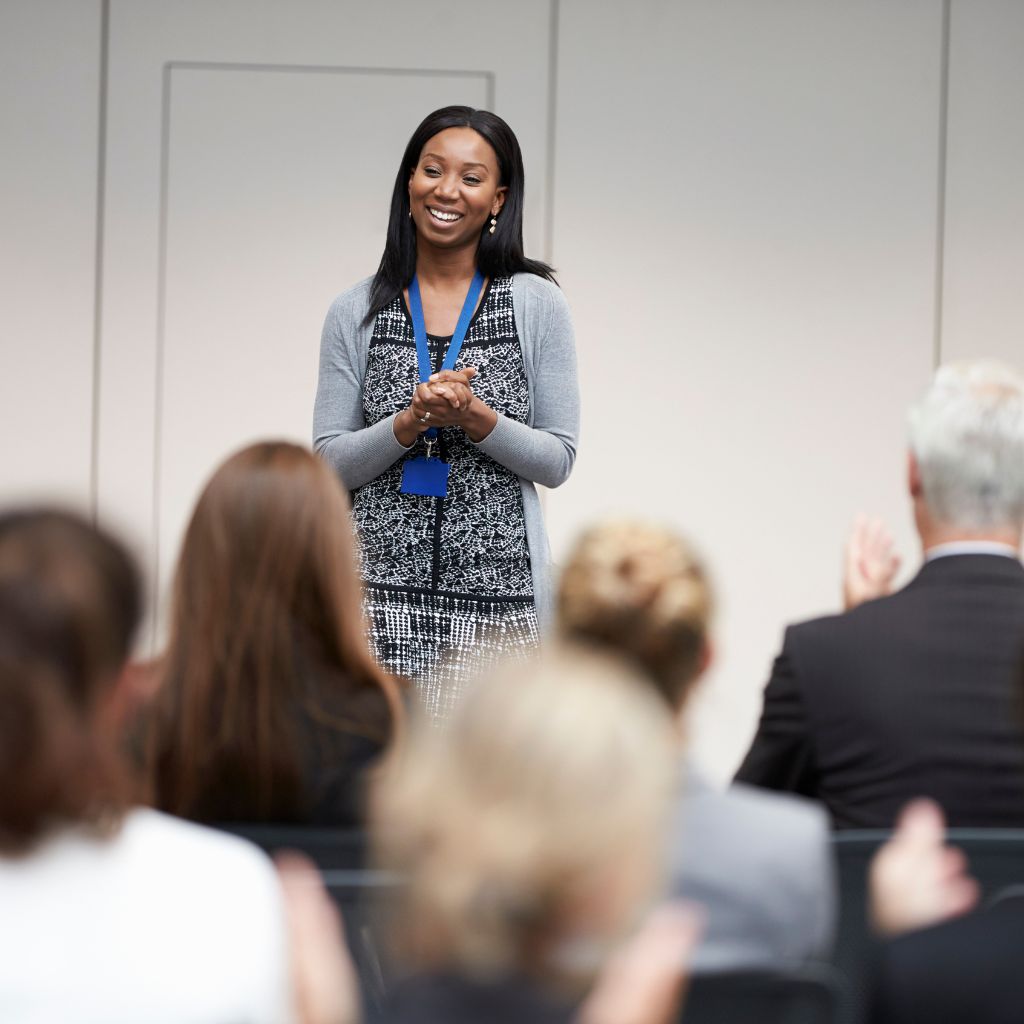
(444, 642)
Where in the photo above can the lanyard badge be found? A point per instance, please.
(428, 476)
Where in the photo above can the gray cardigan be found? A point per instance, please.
(540, 451)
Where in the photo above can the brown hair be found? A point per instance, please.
(267, 625)
(70, 602)
(639, 589)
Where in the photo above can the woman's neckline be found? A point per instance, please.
(476, 313)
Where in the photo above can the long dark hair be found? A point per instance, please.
(70, 602)
(497, 255)
(266, 627)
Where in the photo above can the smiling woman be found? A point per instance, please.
(447, 391)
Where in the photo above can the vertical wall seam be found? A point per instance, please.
(940, 218)
(549, 172)
(158, 376)
(97, 299)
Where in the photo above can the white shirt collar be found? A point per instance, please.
(971, 547)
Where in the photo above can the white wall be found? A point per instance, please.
(745, 219)
(49, 137)
(763, 228)
(983, 288)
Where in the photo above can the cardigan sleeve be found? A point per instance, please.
(544, 452)
(356, 452)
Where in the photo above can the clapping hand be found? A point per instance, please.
(445, 400)
(325, 985)
(915, 880)
(871, 563)
(645, 981)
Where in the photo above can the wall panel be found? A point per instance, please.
(49, 124)
(745, 222)
(983, 289)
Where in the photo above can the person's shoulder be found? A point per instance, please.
(536, 286)
(753, 811)
(791, 820)
(353, 302)
(542, 312)
(534, 289)
(156, 838)
(761, 863)
(852, 623)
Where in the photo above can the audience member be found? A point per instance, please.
(914, 693)
(759, 863)
(945, 964)
(112, 914)
(270, 706)
(528, 827)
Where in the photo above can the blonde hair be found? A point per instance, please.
(544, 794)
(640, 590)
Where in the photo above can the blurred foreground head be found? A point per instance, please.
(530, 823)
(639, 590)
(70, 602)
(967, 450)
(266, 624)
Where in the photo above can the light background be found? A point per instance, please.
(771, 219)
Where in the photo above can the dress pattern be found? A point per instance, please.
(448, 580)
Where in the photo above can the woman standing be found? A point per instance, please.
(447, 390)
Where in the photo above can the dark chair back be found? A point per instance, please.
(331, 849)
(811, 994)
(366, 898)
(996, 859)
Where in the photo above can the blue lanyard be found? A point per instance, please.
(419, 330)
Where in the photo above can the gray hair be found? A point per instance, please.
(967, 435)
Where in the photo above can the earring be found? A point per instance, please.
(494, 224)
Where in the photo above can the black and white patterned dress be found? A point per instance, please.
(448, 580)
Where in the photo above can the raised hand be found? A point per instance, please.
(915, 880)
(324, 980)
(870, 562)
(644, 982)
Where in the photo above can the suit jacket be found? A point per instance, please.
(917, 694)
(761, 866)
(964, 972)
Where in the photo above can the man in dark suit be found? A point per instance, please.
(917, 693)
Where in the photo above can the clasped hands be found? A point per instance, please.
(445, 400)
